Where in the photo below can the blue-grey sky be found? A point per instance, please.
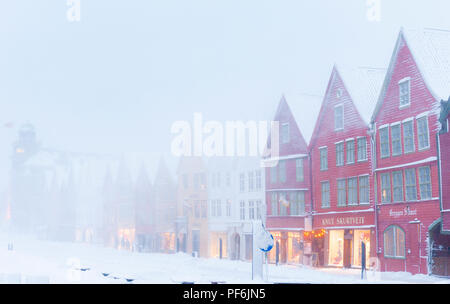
(115, 81)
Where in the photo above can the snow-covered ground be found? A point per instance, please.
(35, 261)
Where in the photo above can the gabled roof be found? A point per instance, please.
(363, 85)
(430, 49)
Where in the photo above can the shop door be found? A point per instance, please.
(347, 253)
(413, 252)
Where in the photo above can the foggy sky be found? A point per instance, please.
(117, 80)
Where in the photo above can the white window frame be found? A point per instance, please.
(368, 189)
(326, 158)
(356, 201)
(341, 105)
(342, 157)
(344, 203)
(428, 133)
(352, 140)
(400, 83)
(365, 150)
(285, 138)
(403, 134)
(400, 139)
(429, 182)
(328, 205)
(388, 142)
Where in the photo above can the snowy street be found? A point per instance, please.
(33, 261)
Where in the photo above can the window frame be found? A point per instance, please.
(340, 153)
(403, 81)
(395, 230)
(384, 142)
(341, 105)
(425, 118)
(365, 149)
(409, 121)
(325, 167)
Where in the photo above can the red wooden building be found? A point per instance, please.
(343, 205)
(288, 191)
(405, 124)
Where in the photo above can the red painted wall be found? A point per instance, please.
(425, 211)
(296, 145)
(325, 135)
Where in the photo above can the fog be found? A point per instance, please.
(107, 89)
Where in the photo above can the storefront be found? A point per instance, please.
(338, 240)
(218, 247)
(288, 247)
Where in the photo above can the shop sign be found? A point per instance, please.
(402, 212)
(343, 221)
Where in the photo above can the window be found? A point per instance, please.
(258, 179)
(363, 189)
(282, 170)
(404, 93)
(299, 170)
(218, 179)
(285, 133)
(384, 142)
(274, 203)
(213, 180)
(284, 203)
(342, 192)
(352, 191)
(228, 179)
(422, 133)
(197, 209)
(339, 117)
(196, 182)
(362, 149)
(410, 182)
(228, 207)
(325, 194)
(340, 154)
(273, 174)
(323, 158)
(203, 181)
(251, 181)
(396, 140)
(424, 183)
(251, 210)
(397, 180)
(219, 208)
(204, 209)
(408, 137)
(394, 242)
(385, 188)
(297, 203)
(258, 209)
(213, 208)
(185, 181)
(242, 182)
(350, 151)
(242, 209)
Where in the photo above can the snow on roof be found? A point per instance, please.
(364, 85)
(431, 51)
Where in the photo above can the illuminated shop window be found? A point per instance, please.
(336, 248)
